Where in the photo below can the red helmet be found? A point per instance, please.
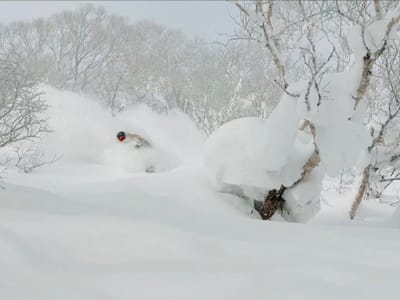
(121, 136)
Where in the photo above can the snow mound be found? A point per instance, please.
(259, 153)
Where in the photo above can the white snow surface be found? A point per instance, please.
(87, 228)
(81, 232)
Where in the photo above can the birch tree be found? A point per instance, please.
(341, 94)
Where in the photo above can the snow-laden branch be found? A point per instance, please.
(378, 30)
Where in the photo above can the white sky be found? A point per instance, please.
(207, 19)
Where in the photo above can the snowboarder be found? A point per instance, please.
(138, 142)
(134, 138)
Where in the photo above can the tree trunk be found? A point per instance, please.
(361, 191)
(272, 202)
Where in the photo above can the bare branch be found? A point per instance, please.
(389, 179)
(284, 89)
(349, 18)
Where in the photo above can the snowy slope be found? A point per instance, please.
(93, 229)
(169, 236)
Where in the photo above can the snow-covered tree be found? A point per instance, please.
(384, 116)
(317, 126)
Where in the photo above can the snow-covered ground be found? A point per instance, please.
(93, 225)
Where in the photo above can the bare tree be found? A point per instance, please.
(22, 110)
(384, 106)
